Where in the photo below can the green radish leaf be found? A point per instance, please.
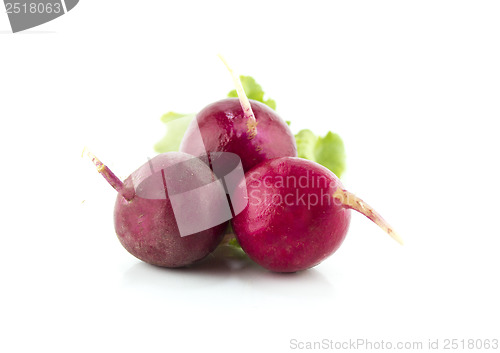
(328, 151)
(171, 116)
(177, 125)
(253, 91)
(306, 143)
(271, 103)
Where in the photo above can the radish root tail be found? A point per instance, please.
(351, 201)
(107, 174)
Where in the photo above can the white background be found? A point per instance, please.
(412, 87)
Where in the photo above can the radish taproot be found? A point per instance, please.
(245, 127)
(298, 214)
(157, 215)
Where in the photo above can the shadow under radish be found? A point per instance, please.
(228, 264)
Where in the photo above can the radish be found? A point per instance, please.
(298, 214)
(170, 212)
(247, 128)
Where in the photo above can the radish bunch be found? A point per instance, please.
(288, 213)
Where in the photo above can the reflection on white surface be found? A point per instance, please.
(228, 267)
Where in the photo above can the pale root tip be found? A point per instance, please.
(396, 237)
(98, 164)
(85, 150)
(110, 177)
(223, 59)
(351, 201)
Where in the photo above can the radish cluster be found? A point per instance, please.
(288, 213)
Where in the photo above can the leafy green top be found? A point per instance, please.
(328, 150)
(253, 91)
(177, 125)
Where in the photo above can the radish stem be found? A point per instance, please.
(245, 103)
(110, 177)
(350, 200)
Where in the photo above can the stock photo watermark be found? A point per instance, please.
(203, 191)
(307, 190)
(26, 14)
(364, 344)
(229, 191)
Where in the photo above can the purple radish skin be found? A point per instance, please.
(147, 227)
(224, 128)
(245, 127)
(298, 214)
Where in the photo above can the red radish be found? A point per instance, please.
(144, 216)
(249, 129)
(297, 214)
